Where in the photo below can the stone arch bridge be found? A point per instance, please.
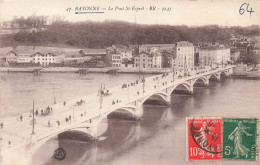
(130, 98)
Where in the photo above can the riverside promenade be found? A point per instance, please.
(89, 70)
(85, 113)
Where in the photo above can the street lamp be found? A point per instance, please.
(73, 114)
(101, 98)
(33, 120)
(173, 73)
(54, 97)
(143, 83)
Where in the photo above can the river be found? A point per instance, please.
(157, 139)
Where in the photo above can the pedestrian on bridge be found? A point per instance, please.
(36, 112)
(49, 124)
(21, 118)
(58, 122)
(64, 103)
(2, 125)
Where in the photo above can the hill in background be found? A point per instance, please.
(104, 34)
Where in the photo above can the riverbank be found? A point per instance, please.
(88, 70)
(242, 73)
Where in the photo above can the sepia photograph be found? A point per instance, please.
(129, 82)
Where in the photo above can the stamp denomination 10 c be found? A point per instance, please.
(204, 139)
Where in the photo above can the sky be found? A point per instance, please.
(180, 12)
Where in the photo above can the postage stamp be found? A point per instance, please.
(239, 138)
(204, 137)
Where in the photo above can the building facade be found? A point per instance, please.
(243, 48)
(43, 59)
(235, 56)
(11, 57)
(143, 60)
(24, 59)
(125, 53)
(157, 59)
(148, 47)
(214, 56)
(116, 60)
(184, 53)
(19, 57)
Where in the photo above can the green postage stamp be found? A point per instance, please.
(239, 139)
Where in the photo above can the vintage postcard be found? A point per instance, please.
(129, 82)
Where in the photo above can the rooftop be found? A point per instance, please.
(93, 51)
(143, 53)
(183, 44)
(213, 47)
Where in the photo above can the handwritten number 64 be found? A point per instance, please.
(242, 10)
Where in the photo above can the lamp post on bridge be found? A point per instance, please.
(101, 98)
(127, 92)
(33, 120)
(54, 97)
(222, 61)
(143, 80)
(173, 73)
(73, 114)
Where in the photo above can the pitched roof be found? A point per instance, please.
(124, 50)
(38, 53)
(158, 45)
(184, 43)
(55, 53)
(23, 51)
(72, 52)
(150, 55)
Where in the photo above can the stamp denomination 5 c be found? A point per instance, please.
(239, 138)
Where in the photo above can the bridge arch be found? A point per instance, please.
(160, 95)
(35, 145)
(182, 86)
(203, 79)
(215, 76)
(130, 109)
(224, 73)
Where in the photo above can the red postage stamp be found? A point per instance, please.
(204, 137)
